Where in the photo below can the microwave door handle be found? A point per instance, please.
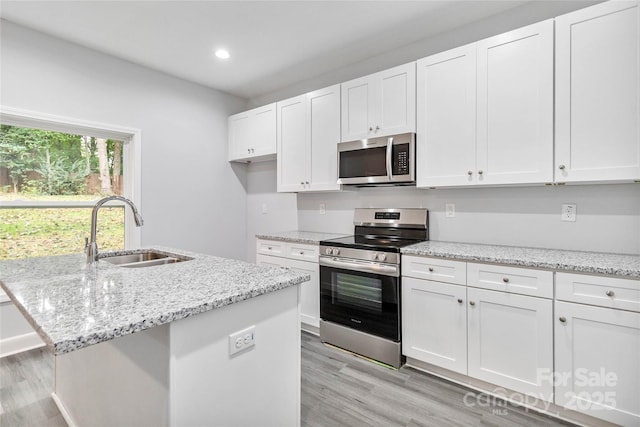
(389, 152)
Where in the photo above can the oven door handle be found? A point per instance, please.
(363, 266)
(389, 153)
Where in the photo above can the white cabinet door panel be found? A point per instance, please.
(434, 323)
(397, 100)
(446, 124)
(510, 340)
(324, 136)
(598, 93)
(515, 106)
(357, 108)
(597, 356)
(292, 153)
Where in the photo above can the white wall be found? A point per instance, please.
(281, 208)
(608, 215)
(191, 197)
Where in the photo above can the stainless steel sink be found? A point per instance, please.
(143, 259)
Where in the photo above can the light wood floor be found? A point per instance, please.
(338, 389)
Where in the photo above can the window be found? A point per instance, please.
(52, 171)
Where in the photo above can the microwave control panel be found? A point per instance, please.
(401, 159)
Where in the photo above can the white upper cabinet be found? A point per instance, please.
(485, 111)
(515, 106)
(308, 132)
(446, 107)
(598, 94)
(292, 144)
(380, 104)
(252, 134)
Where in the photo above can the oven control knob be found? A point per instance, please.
(328, 251)
(336, 251)
(380, 257)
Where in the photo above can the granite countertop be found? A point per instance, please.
(626, 266)
(307, 237)
(72, 306)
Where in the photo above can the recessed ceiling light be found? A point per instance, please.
(222, 54)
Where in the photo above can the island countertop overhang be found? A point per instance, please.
(72, 306)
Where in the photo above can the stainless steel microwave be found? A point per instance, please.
(374, 161)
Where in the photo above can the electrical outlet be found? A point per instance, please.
(264, 209)
(568, 212)
(450, 210)
(322, 209)
(242, 340)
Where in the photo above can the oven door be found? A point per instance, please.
(361, 295)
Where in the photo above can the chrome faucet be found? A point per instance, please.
(91, 246)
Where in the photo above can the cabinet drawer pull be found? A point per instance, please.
(460, 300)
(472, 303)
(610, 293)
(301, 252)
(563, 319)
(430, 269)
(269, 248)
(505, 279)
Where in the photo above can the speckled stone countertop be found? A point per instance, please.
(572, 261)
(307, 237)
(72, 306)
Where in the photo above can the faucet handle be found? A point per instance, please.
(86, 244)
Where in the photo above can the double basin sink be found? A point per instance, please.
(143, 258)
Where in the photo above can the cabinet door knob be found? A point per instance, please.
(377, 128)
(563, 319)
(469, 173)
(306, 182)
(430, 269)
(561, 167)
(301, 252)
(249, 150)
(301, 182)
(472, 303)
(610, 293)
(505, 279)
(370, 128)
(460, 300)
(480, 172)
(269, 248)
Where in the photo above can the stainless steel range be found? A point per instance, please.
(360, 282)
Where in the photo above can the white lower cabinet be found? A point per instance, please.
(597, 361)
(303, 258)
(510, 340)
(434, 322)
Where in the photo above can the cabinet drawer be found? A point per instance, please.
(609, 292)
(271, 247)
(302, 251)
(437, 269)
(524, 281)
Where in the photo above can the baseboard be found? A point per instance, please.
(20, 343)
(63, 411)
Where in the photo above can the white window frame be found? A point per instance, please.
(131, 162)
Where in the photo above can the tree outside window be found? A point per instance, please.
(40, 167)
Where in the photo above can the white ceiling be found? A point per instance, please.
(272, 43)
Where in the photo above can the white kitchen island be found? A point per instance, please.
(151, 346)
